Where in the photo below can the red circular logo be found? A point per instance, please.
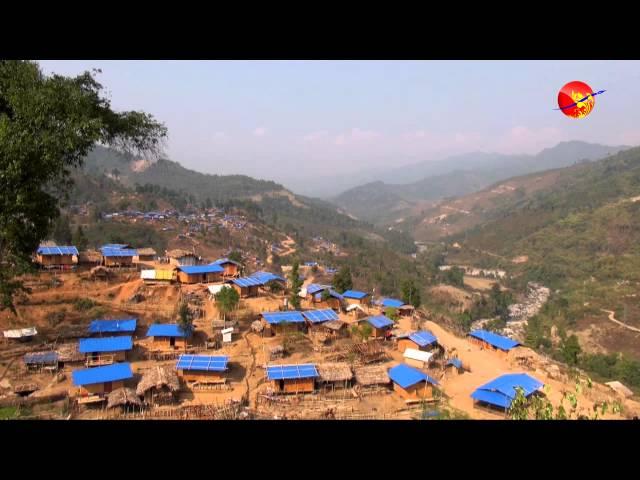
(575, 99)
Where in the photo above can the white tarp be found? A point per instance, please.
(355, 306)
(213, 289)
(20, 332)
(413, 354)
(148, 274)
(303, 292)
(226, 334)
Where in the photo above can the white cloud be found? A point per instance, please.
(260, 132)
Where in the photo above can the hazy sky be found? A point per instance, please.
(288, 119)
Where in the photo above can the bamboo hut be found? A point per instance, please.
(57, 257)
(159, 386)
(145, 255)
(123, 397)
(372, 377)
(332, 375)
(412, 384)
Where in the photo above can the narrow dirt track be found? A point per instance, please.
(613, 319)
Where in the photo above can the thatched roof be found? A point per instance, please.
(89, 256)
(146, 251)
(372, 375)
(68, 352)
(123, 396)
(158, 377)
(178, 252)
(334, 325)
(334, 372)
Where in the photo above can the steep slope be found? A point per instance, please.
(456, 176)
(578, 235)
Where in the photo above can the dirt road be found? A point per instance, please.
(613, 319)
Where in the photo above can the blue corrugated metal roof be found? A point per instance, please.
(116, 246)
(106, 344)
(319, 316)
(284, 372)
(165, 330)
(283, 317)
(110, 373)
(502, 390)
(41, 358)
(391, 302)
(380, 321)
(423, 338)
(492, 398)
(354, 294)
(199, 269)
(313, 288)
(456, 362)
(222, 261)
(498, 341)
(118, 252)
(67, 250)
(205, 363)
(247, 282)
(113, 326)
(406, 376)
(266, 277)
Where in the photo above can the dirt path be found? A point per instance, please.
(613, 319)
(252, 368)
(289, 243)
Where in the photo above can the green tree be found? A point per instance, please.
(185, 319)
(79, 239)
(61, 231)
(411, 293)
(538, 407)
(236, 256)
(48, 124)
(296, 285)
(571, 350)
(227, 299)
(392, 313)
(342, 280)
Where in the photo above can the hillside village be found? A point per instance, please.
(339, 354)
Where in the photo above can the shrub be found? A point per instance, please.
(83, 304)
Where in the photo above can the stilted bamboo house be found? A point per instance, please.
(179, 257)
(246, 286)
(190, 274)
(117, 257)
(145, 255)
(492, 341)
(116, 326)
(335, 329)
(381, 326)
(159, 386)
(422, 340)
(355, 297)
(39, 361)
(278, 323)
(332, 376)
(167, 337)
(203, 369)
(105, 350)
(231, 268)
(94, 384)
(63, 258)
(298, 378)
(372, 377)
(125, 398)
(411, 384)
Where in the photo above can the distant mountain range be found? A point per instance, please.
(384, 202)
